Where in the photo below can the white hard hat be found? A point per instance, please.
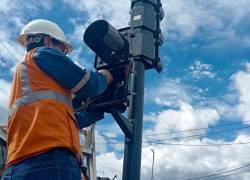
(42, 26)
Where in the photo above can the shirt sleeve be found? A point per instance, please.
(83, 83)
(85, 119)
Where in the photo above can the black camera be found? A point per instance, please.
(117, 49)
(112, 53)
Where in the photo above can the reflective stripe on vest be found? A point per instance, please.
(25, 81)
(31, 97)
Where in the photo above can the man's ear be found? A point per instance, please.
(46, 41)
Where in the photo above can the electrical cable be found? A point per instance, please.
(8, 96)
(181, 131)
(4, 108)
(196, 129)
(204, 134)
(248, 171)
(204, 174)
(4, 91)
(191, 136)
(3, 45)
(194, 145)
(219, 173)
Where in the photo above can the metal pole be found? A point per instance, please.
(132, 152)
(152, 175)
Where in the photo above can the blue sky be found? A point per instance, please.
(205, 83)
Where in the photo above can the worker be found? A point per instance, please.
(43, 141)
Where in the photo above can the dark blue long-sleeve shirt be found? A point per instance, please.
(81, 82)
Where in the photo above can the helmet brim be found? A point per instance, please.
(22, 39)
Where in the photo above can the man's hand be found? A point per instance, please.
(107, 74)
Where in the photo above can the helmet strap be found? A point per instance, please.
(35, 41)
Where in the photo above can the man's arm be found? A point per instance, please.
(83, 83)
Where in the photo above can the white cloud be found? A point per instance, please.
(106, 168)
(167, 93)
(5, 5)
(224, 106)
(104, 131)
(186, 17)
(13, 57)
(181, 162)
(77, 36)
(186, 117)
(183, 19)
(8, 34)
(216, 21)
(199, 70)
(34, 6)
(101, 146)
(116, 12)
(241, 82)
(14, 15)
(248, 67)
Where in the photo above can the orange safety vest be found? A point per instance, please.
(41, 115)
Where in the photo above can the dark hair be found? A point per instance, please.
(38, 41)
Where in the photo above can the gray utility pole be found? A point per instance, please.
(145, 24)
(152, 175)
(132, 153)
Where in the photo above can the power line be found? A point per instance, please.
(4, 108)
(204, 134)
(9, 51)
(212, 145)
(181, 131)
(232, 174)
(1, 87)
(191, 136)
(108, 137)
(8, 97)
(219, 173)
(195, 129)
(193, 145)
(4, 91)
(205, 174)
(182, 144)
